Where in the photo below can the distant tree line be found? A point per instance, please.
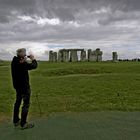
(135, 59)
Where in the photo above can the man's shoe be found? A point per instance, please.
(27, 126)
(17, 124)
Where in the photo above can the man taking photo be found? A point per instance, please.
(20, 78)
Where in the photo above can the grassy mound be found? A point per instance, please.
(77, 87)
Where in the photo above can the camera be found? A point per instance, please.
(28, 56)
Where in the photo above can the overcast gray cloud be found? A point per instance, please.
(52, 24)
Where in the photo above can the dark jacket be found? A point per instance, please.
(20, 74)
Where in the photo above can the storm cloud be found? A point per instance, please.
(52, 24)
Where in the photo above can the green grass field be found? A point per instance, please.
(76, 87)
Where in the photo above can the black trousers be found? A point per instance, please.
(21, 95)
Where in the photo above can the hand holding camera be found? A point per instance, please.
(31, 57)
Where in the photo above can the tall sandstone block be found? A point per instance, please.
(83, 55)
(114, 56)
(73, 56)
(95, 55)
(52, 56)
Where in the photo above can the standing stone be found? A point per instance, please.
(73, 56)
(51, 56)
(92, 56)
(60, 56)
(99, 55)
(95, 55)
(65, 56)
(114, 56)
(89, 54)
(83, 55)
(55, 57)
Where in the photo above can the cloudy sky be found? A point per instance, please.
(43, 25)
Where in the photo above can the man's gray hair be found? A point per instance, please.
(21, 52)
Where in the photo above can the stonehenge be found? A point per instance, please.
(68, 55)
(71, 55)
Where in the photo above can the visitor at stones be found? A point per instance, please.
(20, 78)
